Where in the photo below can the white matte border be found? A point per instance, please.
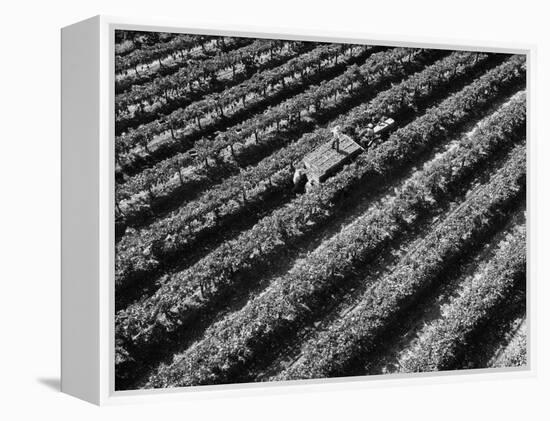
(108, 395)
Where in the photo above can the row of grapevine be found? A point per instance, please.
(330, 352)
(125, 47)
(385, 65)
(215, 108)
(171, 62)
(145, 103)
(187, 224)
(515, 353)
(259, 85)
(357, 81)
(127, 42)
(303, 291)
(439, 342)
(149, 53)
(213, 277)
(227, 201)
(158, 181)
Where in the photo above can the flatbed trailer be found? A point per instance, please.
(325, 160)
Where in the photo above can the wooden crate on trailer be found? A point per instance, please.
(325, 160)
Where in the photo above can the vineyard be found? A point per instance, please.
(409, 257)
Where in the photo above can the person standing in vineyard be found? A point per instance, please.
(299, 179)
(367, 136)
(336, 138)
(309, 186)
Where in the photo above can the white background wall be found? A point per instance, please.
(29, 167)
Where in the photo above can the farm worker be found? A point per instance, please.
(309, 186)
(299, 179)
(368, 133)
(336, 140)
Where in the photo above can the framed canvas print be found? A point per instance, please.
(247, 210)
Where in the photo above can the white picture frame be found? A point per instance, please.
(88, 213)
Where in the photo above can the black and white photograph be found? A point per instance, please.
(291, 210)
(281, 211)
